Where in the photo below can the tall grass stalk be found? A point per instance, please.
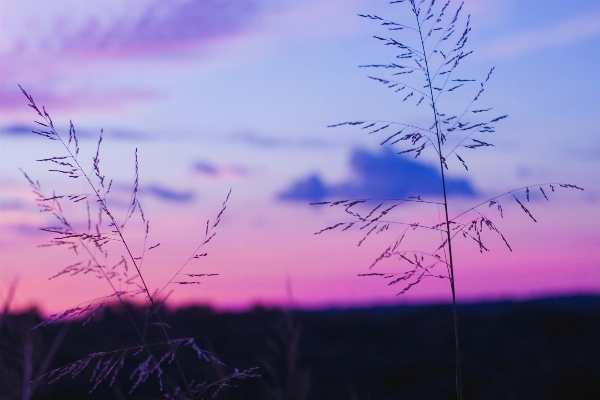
(424, 71)
(93, 242)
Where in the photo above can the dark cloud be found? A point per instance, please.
(385, 175)
(206, 168)
(166, 194)
(121, 134)
(17, 130)
(27, 130)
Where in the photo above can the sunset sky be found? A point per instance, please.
(220, 95)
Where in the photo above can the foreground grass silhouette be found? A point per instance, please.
(428, 43)
(86, 225)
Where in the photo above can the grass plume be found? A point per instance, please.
(428, 49)
(102, 251)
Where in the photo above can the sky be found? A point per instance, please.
(217, 96)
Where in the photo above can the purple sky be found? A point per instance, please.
(218, 95)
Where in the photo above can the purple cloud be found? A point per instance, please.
(213, 171)
(48, 47)
(11, 99)
(13, 205)
(162, 27)
(17, 130)
(385, 175)
(276, 142)
(26, 229)
(167, 194)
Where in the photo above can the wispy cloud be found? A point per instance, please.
(11, 99)
(256, 140)
(162, 28)
(18, 209)
(120, 195)
(12, 205)
(134, 29)
(167, 194)
(576, 151)
(563, 33)
(378, 175)
(69, 49)
(16, 130)
(214, 171)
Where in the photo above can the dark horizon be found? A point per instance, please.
(542, 348)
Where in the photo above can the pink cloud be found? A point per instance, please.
(163, 27)
(151, 28)
(74, 100)
(69, 50)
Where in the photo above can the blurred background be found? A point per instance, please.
(217, 95)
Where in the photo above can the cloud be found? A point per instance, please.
(25, 229)
(126, 134)
(12, 205)
(590, 151)
(164, 27)
(60, 45)
(16, 130)
(212, 171)
(166, 194)
(12, 100)
(155, 28)
(384, 175)
(561, 34)
(19, 214)
(271, 142)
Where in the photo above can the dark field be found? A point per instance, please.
(541, 349)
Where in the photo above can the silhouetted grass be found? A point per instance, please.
(102, 251)
(428, 48)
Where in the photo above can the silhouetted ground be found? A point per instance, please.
(541, 349)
